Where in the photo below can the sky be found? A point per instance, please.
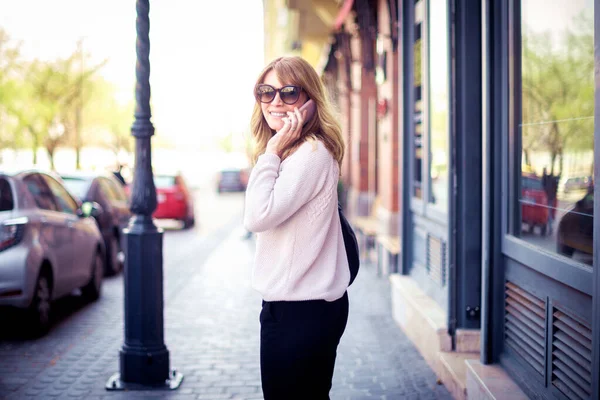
(554, 15)
(204, 58)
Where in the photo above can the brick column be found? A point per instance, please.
(363, 126)
(388, 130)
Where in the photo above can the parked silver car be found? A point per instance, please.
(49, 245)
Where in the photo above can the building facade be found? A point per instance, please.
(471, 139)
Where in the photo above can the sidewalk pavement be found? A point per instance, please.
(212, 333)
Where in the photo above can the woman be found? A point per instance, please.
(301, 267)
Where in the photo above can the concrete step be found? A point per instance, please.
(491, 382)
(452, 371)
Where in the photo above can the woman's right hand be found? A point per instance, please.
(291, 131)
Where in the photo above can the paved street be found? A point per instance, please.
(211, 330)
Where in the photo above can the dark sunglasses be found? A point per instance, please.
(288, 94)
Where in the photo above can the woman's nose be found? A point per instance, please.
(277, 99)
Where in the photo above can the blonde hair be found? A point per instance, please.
(323, 126)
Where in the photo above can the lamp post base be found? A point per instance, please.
(171, 383)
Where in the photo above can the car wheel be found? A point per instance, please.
(114, 259)
(40, 309)
(91, 291)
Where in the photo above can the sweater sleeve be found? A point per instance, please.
(273, 196)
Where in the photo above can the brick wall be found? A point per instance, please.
(388, 126)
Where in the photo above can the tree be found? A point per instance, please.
(62, 102)
(83, 83)
(226, 142)
(107, 120)
(35, 105)
(558, 92)
(78, 81)
(10, 68)
(50, 100)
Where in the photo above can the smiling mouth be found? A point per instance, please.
(277, 114)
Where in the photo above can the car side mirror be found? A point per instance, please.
(90, 209)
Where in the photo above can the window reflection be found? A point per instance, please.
(418, 90)
(438, 103)
(557, 61)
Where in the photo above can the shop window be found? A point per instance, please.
(556, 194)
(417, 179)
(438, 104)
(431, 104)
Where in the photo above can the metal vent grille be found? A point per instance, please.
(571, 355)
(436, 259)
(524, 325)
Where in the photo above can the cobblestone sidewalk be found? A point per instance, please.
(212, 333)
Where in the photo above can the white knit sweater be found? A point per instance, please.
(292, 206)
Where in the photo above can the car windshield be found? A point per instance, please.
(77, 186)
(6, 196)
(532, 184)
(163, 181)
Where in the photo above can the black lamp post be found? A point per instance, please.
(144, 358)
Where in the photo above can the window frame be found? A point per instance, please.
(555, 266)
(423, 206)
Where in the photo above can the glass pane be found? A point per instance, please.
(78, 186)
(164, 181)
(558, 126)
(118, 190)
(64, 201)
(108, 189)
(6, 196)
(438, 103)
(418, 112)
(41, 194)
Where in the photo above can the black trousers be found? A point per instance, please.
(298, 344)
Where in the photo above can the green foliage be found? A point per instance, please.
(226, 143)
(62, 102)
(109, 120)
(10, 90)
(558, 90)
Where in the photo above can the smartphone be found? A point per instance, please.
(310, 108)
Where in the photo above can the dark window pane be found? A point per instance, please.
(107, 189)
(40, 192)
(118, 190)
(6, 196)
(418, 106)
(63, 200)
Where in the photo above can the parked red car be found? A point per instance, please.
(174, 199)
(534, 204)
